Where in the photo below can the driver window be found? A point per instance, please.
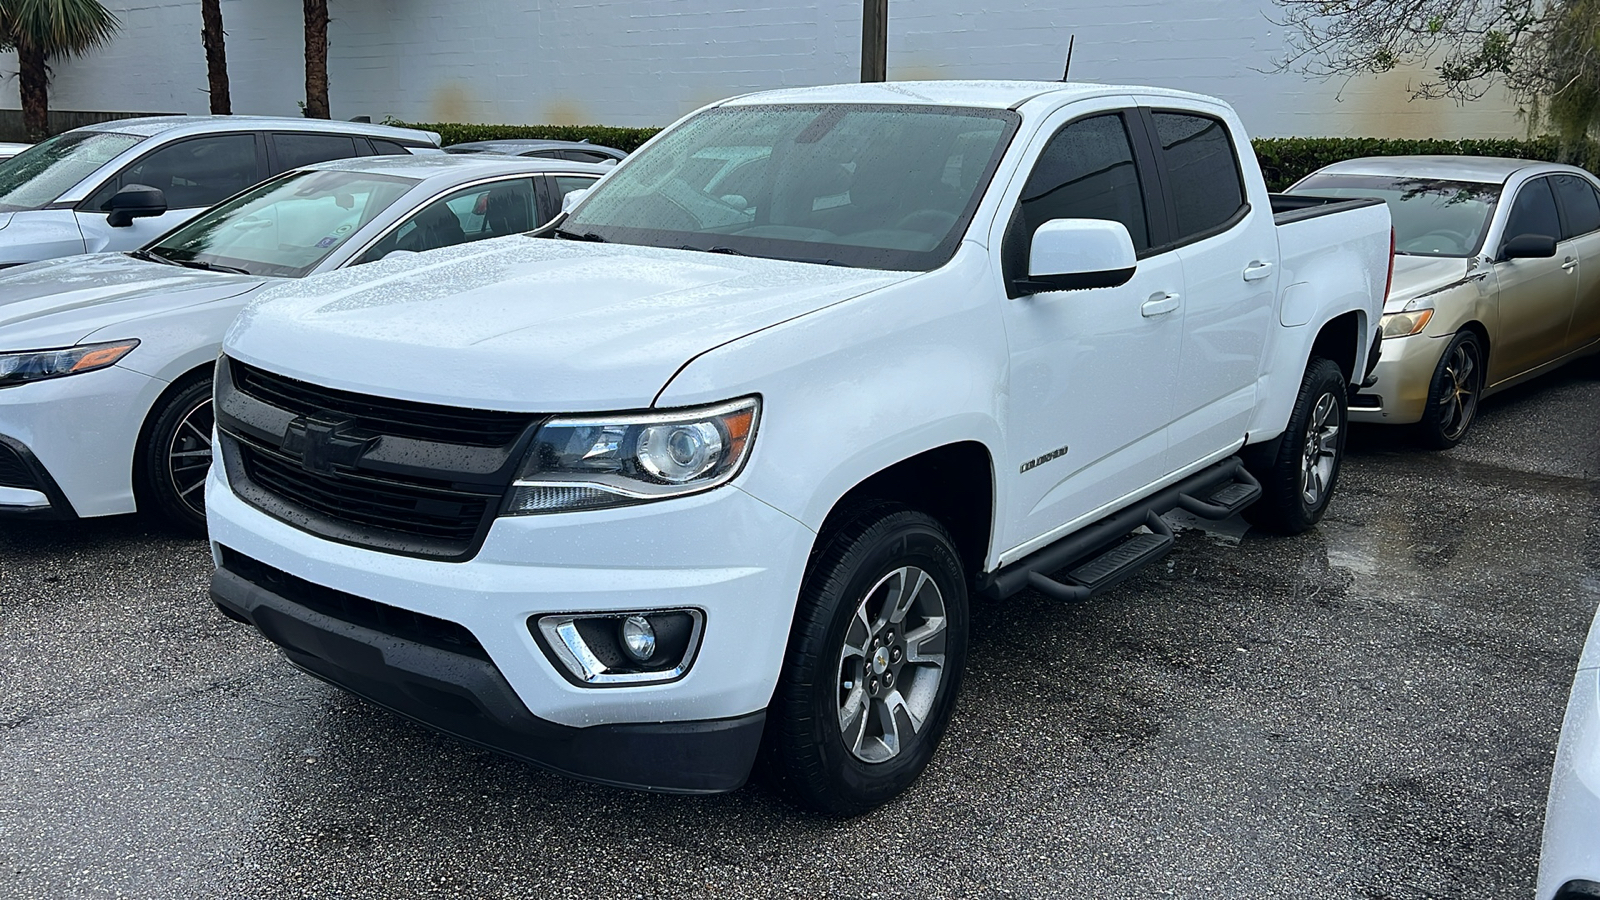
(195, 173)
(470, 214)
(1534, 212)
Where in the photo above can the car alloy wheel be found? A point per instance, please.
(891, 664)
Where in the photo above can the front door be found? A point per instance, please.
(1536, 295)
(1091, 370)
(193, 174)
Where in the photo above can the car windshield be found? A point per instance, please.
(1431, 216)
(890, 187)
(285, 227)
(34, 178)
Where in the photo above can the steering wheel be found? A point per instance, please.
(1432, 240)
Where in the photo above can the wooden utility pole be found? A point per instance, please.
(874, 40)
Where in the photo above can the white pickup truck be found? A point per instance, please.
(715, 464)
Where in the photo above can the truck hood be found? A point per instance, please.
(58, 302)
(1418, 275)
(529, 324)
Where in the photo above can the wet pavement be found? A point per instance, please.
(1368, 710)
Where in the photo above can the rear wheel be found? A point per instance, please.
(1299, 470)
(1453, 394)
(874, 662)
(176, 456)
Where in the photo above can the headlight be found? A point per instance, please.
(601, 461)
(37, 365)
(1401, 324)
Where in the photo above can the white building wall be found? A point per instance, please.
(646, 62)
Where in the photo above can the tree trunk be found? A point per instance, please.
(874, 40)
(34, 78)
(316, 59)
(211, 36)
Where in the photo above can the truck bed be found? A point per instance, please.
(1287, 208)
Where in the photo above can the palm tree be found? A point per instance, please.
(41, 29)
(211, 37)
(316, 59)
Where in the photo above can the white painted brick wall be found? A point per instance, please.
(646, 62)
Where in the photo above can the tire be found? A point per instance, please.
(1453, 394)
(1299, 470)
(850, 670)
(175, 455)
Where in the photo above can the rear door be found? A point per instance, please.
(194, 173)
(1580, 232)
(1229, 250)
(1536, 295)
(1091, 370)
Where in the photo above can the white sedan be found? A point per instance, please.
(1569, 865)
(106, 359)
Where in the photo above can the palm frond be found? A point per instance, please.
(56, 27)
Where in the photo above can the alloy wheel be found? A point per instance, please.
(1459, 403)
(189, 457)
(892, 664)
(1321, 452)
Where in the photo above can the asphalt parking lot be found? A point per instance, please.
(1368, 710)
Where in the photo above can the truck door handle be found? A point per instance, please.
(1257, 270)
(1569, 264)
(1159, 304)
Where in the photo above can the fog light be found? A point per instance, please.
(639, 638)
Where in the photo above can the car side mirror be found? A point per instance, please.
(573, 198)
(1529, 246)
(1078, 254)
(135, 201)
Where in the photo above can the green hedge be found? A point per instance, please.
(627, 139)
(1286, 160)
(1283, 160)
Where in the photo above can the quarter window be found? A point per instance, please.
(1534, 212)
(1579, 202)
(193, 173)
(1203, 168)
(1087, 172)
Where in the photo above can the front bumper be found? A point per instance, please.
(1404, 373)
(734, 558)
(1570, 858)
(79, 435)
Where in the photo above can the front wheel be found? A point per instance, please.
(874, 662)
(1299, 470)
(1453, 393)
(177, 455)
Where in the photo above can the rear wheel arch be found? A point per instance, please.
(1341, 339)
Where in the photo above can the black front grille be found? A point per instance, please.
(380, 617)
(402, 477)
(14, 470)
(401, 418)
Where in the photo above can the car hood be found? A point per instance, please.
(529, 324)
(1418, 275)
(58, 302)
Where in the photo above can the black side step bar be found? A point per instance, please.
(1106, 553)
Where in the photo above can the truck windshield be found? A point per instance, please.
(1432, 216)
(888, 187)
(34, 178)
(285, 227)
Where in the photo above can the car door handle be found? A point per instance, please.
(1569, 264)
(1257, 270)
(1159, 304)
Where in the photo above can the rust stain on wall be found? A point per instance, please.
(450, 103)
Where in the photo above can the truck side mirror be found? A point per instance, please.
(1529, 246)
(1077, 254)
(135, 201)
(573, 198)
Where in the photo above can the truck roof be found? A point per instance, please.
(150, 126)
(983, 94)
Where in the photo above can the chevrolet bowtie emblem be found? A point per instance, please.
(324, 447)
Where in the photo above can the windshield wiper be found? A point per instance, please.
(725, 250)
(147, 256)
(575, 236)
(210, 267)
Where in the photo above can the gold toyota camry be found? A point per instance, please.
(1496, 280)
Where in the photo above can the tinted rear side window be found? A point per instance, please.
(1579, 202)
(1205, 183)
(1087, 172)
(1534, 211)
(296, 150)
(388, 148)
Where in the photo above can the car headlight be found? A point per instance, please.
(593, 462)
(1402, 324)
(37, 365)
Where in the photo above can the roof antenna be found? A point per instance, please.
(1068, 68)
